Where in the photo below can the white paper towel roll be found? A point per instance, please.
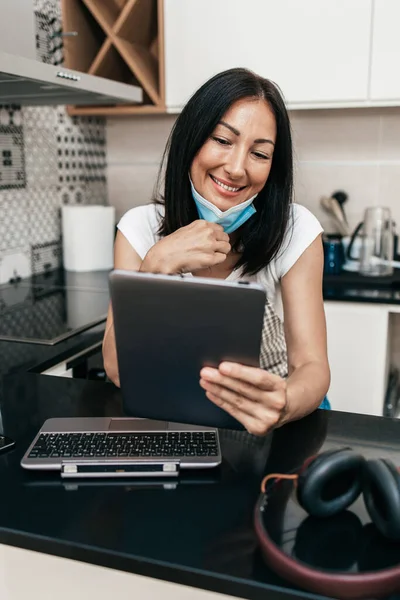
(88, 237)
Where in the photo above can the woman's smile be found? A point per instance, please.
(226, 188)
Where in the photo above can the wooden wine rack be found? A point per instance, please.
(121, 40)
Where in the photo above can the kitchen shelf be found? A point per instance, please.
(120, 40)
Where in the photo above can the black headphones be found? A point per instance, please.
(326, 485)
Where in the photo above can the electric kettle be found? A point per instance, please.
(377, 237)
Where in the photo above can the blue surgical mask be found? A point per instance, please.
(230, 219)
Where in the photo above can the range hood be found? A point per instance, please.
(29, 82)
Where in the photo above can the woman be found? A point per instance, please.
(227, 213)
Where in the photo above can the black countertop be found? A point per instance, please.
(197, 531)
(21, 356)
(353, 287)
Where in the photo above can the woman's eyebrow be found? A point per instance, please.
(264, 141)
(236, 132)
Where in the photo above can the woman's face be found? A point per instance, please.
(234, 163)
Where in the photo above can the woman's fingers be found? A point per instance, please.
(221, 246)
(219, 232)
(249, 381)
(252, 424)
(226, 397)
(267, 410)
(254, 397)
(252, 375)
(239, 387)
(217, 258)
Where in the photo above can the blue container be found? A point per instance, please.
(325, 404)
(333, 256)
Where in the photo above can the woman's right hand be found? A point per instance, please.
(193, 247)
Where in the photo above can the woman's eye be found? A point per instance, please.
(260, 155)
(221, 141)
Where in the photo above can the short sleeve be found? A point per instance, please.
(302, 230)
(140, 227)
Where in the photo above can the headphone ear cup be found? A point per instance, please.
(381, 490)
(331, 482)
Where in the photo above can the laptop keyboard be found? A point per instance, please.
(125, 445)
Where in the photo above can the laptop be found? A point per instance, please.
(121, 447)
(167, 328)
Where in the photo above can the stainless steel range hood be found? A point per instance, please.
(30, 82)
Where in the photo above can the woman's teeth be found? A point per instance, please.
(225, 187)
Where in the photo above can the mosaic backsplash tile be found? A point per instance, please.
(12, 157)
(47, 159)
(49, 46)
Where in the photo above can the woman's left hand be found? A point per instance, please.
(253, 396)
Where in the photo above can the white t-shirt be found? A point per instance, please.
(140, 225)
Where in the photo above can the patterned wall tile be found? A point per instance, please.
(40, 117)
(13, 219)
(44, 215)
(81, 150)
(96, 193)
(81, 159)
(40, 157)
(10, 115)
(71, 194)
(15, 263)
(12, 159)
(49, 42)
(46, 256)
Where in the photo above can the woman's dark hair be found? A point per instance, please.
(262, 235)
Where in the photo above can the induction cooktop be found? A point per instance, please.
(49, 315)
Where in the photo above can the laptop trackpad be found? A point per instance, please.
(137, 425)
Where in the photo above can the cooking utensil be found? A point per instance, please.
(341, 198)
(331, 206)
(336, 209)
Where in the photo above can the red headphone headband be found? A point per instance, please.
(343, 586)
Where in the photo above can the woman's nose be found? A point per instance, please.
(235, 166)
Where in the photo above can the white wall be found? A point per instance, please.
(357, 150)
(135, 146)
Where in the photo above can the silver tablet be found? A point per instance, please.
(168, 327)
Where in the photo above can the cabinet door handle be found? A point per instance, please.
(64, 34)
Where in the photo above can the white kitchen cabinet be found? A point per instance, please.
(385, 58)
(49, 577)
(17, 28)
(317, 51)
(358, 343)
